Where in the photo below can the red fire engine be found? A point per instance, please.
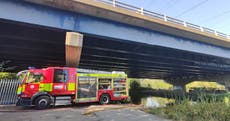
(42, 88)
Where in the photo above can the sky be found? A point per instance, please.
(213, 14)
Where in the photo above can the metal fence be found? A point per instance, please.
(8, 90)
(142, 11)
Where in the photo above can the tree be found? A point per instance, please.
(4, 67)
(134, 91)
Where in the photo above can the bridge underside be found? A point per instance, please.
(28, 45)
(108, 44)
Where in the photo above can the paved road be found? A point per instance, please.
(76, 114)
(126, 115)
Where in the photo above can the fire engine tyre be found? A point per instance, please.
(104, 99)
(42, 102)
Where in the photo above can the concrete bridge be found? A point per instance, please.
(109, 35)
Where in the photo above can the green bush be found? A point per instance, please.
(134, 91)
(190, 111)
(6, 75)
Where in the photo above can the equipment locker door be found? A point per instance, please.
(87, 89)
(60, 81)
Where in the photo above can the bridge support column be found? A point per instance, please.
(73, 45)
(180, 87)
(226, 82)
(178, 84)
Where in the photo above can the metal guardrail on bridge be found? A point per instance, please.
(8, 90)
(163, 17)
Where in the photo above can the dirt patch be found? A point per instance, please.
(95, 108)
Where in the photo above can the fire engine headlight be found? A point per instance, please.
(23, 95)
(19, 93)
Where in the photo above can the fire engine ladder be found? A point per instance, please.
(79, 70)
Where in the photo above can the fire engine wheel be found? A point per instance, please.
(42, 102)
(104, 99)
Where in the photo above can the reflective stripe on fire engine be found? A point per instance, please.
(46, 87)
(23, 87)
(87, 99)
(19, 91)
(71, 86)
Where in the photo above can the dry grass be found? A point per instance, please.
(97, 108)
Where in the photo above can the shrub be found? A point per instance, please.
(134, 91)
(190, 111)
(6, 75)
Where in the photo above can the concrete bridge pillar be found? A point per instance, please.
(178, 84)
(73, 45)
(226, 83)
(180, 87)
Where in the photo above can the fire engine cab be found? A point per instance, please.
(42, 88)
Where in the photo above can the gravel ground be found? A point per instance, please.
(76, 114)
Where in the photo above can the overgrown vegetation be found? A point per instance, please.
(190, 111)
(134, 91)
(206, 106)
(203, 84)
(155, 84)
(5, 67)
(6, 75)
(204, 101)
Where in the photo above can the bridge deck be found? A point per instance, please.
(145, 19)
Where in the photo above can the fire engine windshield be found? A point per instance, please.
(22, 75)
(34, 77)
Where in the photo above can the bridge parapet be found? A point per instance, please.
(163, 17)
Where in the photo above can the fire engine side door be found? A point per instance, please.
(33, 82)
(60, 81)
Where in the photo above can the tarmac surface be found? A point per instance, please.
(78, 113)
